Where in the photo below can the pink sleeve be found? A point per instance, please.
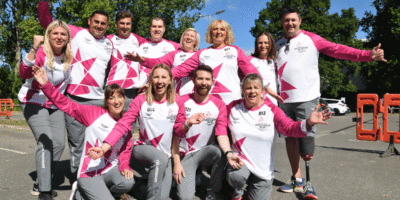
(187, 67)
(125, 153)
(125, 123)
(181, 117)
(25, 70)
(84, 114)
(338, 50)
(222, 119)
(284, 124)
(44, 14)
(140, 39)
(167, 59)
(244, 63)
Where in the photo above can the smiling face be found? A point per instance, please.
(252, 91)
(124, 27)
(218, 34)
(189, 41)
(157, 30)
(263, 46)
(98, 25)
(202, 82)
(291, 24)
(115, 104)
(160, 82)
(58, 38)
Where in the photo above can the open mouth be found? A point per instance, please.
(252, 96)
(159, 88)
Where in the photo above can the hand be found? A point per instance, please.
(95, 153)
(377, 53)
(178, 173)
(134, 57)
(143, 89)
(40, 75)
(234, 161)
(319, 117)
(273, 94)
(128, 174)
(37, 41)
(196, 119)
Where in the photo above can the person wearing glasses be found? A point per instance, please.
(298, 75)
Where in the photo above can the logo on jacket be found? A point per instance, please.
(209, 121)
(261, 125)
(171, 116)
(145, 49)
(229, 55)
(300, 48)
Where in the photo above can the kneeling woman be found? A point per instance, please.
(157, 111)
(252, 121)
(109, 177)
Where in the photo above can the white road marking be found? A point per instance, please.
(14, 151)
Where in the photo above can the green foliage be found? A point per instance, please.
(338, 28)
(383, 28)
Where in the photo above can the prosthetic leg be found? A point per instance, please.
(306, 149)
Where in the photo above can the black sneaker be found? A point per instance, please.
(35, 190)
(45, 196)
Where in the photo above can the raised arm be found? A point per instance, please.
(44, 14)
(167, 59)
(244, 63)
(36, 52)
(187, 67)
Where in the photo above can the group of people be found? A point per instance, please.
(214, 108)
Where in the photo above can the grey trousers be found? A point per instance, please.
(106, 186)
(76, 131)
(160, 170)
(48, 128)
(207, 156)
(259, 189)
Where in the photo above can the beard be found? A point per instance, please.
(203, 91)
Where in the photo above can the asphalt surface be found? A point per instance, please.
(342, 168)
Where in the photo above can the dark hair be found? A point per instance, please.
(100, 12)
(291, 10)
(157, 19)
(204, 68)
(271, 43)
(110, 90)
(122, 15)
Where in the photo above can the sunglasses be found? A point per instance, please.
(287, 46)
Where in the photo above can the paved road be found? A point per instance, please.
(342, 168)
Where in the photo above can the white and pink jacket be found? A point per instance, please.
(226, 63)
(99, 124)
(298, 68)
(267, 69)
(30, 92)
(151, 49)
(253, 134)
(124, 72)
(91, 58)
(199, 135)
(174, 58)
(156, 124)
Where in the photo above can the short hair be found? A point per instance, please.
(204, 68)
(196, 47)
(271, 44)
(291, 10)
(250, 78)
(171, 95)
(100, 12)
(157, 19)
(122, 15)
(109, 91)
(230, 37)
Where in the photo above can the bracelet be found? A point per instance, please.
(35, 49)
(186, 124)
(101, 147)
(226, 153)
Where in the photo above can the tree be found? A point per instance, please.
(18, 24)
(178, 15)
(333, 27)
(383, 28)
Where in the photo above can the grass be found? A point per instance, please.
(13, 122)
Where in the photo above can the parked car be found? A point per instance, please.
(323, 105)
(338, 106)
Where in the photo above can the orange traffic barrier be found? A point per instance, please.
(389, 100)
(6, 107)
(367, 99)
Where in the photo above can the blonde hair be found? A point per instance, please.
(196, 47)
(48, 50)
(170, 89)
(230, 37)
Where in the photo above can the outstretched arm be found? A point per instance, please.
(44, 14)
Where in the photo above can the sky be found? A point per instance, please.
(241, 15)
